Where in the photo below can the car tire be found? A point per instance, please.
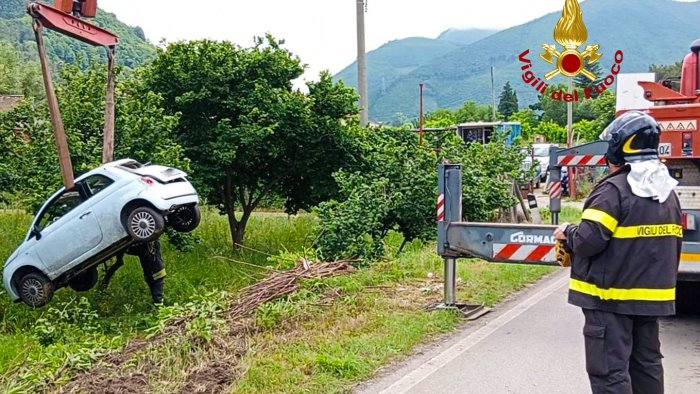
(35, 289)
(85, 281)
(185, 218)
(144, 224)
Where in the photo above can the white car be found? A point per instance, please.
(541, 154)
(109, 208)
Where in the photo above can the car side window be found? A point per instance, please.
(65, 203)
(95, 184)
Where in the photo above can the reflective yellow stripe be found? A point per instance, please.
(601, 217)
(649, 230)
(690, 256)
(623, 294)
(159, 274)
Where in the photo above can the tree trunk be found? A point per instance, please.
(237, 227)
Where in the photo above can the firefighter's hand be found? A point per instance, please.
(559, 232)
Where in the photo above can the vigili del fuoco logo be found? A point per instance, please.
(571, 33)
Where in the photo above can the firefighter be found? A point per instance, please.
(625, 260)
(151, 263)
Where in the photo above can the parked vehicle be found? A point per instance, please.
(533, 179)
(109, 208)
(541, 154)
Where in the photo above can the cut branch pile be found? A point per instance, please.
(281, 283)
(218, 365)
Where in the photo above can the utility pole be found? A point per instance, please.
(570, 139)
(420, 116)
(493, 96)
(362, 64)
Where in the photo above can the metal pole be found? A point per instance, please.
(362, 64)
(420, 116)
(493, 96)
(570, 139)
(108, 145)
(56, 121)
(450, 280)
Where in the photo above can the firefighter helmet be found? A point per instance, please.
(634, 136)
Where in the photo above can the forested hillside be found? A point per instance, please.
(16, 29)
(647, 31)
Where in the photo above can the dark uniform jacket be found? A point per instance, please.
(625, 251)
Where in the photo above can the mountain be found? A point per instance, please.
(398, 58)
(647, 31)
(16, 28)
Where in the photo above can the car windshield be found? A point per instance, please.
(541, 151)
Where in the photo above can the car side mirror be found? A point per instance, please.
(36, 232)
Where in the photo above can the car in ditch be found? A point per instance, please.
(108, 209)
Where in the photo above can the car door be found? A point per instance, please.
(68, 230)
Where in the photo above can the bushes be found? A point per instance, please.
(394, 188)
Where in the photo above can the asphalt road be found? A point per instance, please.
(530, 344)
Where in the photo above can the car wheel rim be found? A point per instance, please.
(143, 224)
(33, 291)
(185, 216)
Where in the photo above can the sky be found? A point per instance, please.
(321, 32)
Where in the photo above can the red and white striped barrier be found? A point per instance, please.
(440, 206)
(524, 252)
(555, 189)
(581, 160)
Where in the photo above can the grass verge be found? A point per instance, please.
(324, 338)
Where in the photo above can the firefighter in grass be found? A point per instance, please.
(625, 257)
(151, 263)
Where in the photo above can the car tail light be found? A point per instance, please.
(688, 221)
(148, 180)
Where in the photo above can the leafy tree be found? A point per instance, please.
(604, 108)
(552, 131)
(668, 71)
(441, 117)
(143, 132)
(664, 71)
(472, 111)
(508, 101)
(394, 190)
(585, 131)
(248, 133)
(528, 121)
(581, 81)
(18, 76)
(552, 110)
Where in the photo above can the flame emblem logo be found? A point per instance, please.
(570, 32)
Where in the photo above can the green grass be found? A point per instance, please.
(379, 317)
(325, 338)
(125, 308)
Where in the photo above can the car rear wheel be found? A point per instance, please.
(144, 224)
(85, 280)
(35, 289)
(185, 218)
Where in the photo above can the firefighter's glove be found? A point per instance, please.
(563, 253)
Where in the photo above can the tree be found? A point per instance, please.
(508, 101)
(18, 76)
(528, 120)
(554, 110)
(472, 111)
(248, 133)
(581, 81)
(143, 132)
(668, 71)
(441, 117)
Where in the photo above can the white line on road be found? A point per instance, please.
(436, 363)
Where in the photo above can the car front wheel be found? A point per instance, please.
(144, 224)
(185, 218)
(35, 289)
